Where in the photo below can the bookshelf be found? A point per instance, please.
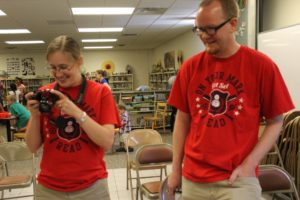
(140, 104)
(121, 81)
(159, 80)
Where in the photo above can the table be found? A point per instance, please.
(7, 124)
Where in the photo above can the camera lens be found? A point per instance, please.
(45, 108)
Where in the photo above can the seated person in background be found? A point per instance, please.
(1, 108)
(14, 91)
(124, 129)
(19, 111)
(22, 88)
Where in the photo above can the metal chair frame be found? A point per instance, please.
(136, 139)
(11, 152)
(277, 181)
(152, 155)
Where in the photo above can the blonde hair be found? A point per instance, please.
(11, 98)
(65, 44)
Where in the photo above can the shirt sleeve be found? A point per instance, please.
(108, 109)
(275, 99)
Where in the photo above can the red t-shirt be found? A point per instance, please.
(226, 99)
(71, 160)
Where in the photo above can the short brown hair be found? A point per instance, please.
(229, 7)
(121, 107)
(65, 44)
(102, 72)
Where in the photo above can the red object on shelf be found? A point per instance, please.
(4, 114)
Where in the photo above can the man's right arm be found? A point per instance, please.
(181, 129)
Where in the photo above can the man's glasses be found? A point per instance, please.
(209, 30)
(59, 68)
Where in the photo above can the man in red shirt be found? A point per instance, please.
(221, 95)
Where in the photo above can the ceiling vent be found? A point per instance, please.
(60, 22)
(129, 34)
(11, 47)
(150, 11)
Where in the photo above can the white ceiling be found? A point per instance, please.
(47, 19)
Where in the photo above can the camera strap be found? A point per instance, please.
(81, 91)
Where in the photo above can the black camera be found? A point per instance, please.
(46, 99)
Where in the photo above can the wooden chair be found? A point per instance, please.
(15, 152)
(154, 156)
(19, 135)
(276, 181)
(136, 139)
(159, 116)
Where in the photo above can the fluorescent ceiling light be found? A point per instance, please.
(100, 29)
(98, 40)
(2, 13)
(13, 31)
(25, 42)
(103, 11)
(98, 47)
(187, 21)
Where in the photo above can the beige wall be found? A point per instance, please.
(279, 13)
(139, 60)
(188, 43)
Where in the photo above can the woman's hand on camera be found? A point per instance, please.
(32, 105)
(65, 105)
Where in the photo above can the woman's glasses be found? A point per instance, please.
(59, 68)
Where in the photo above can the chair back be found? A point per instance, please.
(290, 116)
(161, 109)
(139, 137)
(154, 154)
(15, 151)
(275, 180)
(9, 153)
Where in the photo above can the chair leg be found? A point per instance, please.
(141, 194)
(164, 125)
(130, 183)
(127, 178)
(153, 124)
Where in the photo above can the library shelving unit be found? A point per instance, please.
(159, 80)
(140, 103)
(32, 84)
(121, 81)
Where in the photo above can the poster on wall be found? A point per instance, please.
(17, 66)
(169, 60)
(28, 66)
(13, 66)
